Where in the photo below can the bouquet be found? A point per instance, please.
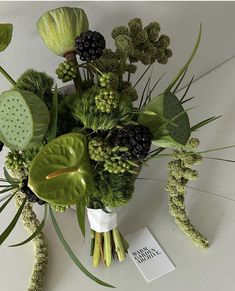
(84, 145)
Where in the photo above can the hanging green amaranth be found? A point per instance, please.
(180, 172)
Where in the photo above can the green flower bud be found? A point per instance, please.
(124, 44)
(135, 25)
(58, 28)
(141, 37)
(120, 30)
(163, 41)
(168, 53)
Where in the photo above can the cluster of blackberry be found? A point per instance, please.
(31, 197)
(135, 138)
(90, 45)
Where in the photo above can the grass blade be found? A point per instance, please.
(37, 231)
(219, 159)
(72, 255)
(187, 100)
(142, 96)
(7, 189)
(10, 227)
(5, 203)
(180, 81)
(217, 149)
(204, 122)
(186, 91)
(188, 62)
(142, 75)
(81, 214)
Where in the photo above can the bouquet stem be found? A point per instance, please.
(106, 246)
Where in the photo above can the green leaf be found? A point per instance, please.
(37, 231)
(170, 125)
(5, 35)
(181, 72)
(81, 214)
(6, 203)
(6, 189)
(54, 112)
(61, 173)
(72, 255)
(10, 227)
(8, 177)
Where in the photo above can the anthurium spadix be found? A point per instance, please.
(59, 27)
(61, 173)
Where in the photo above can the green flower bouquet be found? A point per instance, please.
(83, 146)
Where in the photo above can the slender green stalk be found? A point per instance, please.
(97, 249)
(92, 242)
(7, 76)
(119, 247)
(107, 249)
(78, 80)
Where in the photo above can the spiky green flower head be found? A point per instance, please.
(24, 119)
(107, 100)
(59, 27)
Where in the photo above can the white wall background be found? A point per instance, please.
(179, 20)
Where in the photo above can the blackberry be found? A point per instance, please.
(90, 45)
(31, 197)
(135, 138)
(1, 145)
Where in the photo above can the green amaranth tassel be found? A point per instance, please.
(180, 172)
(31, 223)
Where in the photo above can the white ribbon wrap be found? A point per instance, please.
(101, 221)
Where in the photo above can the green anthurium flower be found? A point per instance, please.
(5, 35)
(167, 120)
(61, 173)
(58, 28)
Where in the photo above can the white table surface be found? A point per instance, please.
(196, 270)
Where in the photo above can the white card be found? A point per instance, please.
(148, 256)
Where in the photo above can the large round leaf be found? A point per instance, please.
(61, 172)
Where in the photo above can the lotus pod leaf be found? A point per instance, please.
(160, 116)
(24, 119)
(61, 173)
(5, 35)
